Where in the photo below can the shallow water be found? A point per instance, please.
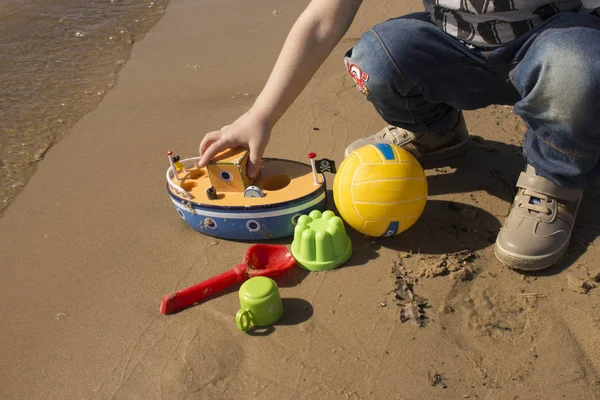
(57, 60)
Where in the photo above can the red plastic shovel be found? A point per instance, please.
(259, 260)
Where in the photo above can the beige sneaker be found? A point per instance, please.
(538, 228)
(427, 147)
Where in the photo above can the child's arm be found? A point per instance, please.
(312, 38)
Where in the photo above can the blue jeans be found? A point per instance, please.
(418, 77)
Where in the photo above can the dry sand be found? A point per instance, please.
(93, 243)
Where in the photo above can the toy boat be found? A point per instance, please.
(220, 200)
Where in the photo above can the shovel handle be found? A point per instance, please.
(186, 297)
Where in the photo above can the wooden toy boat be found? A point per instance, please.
(221, 200)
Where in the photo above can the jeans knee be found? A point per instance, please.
(572, 61)
(399, 53)
(385, 53)
(560, 73)
(370, 66)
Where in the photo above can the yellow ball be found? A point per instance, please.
(380, 190)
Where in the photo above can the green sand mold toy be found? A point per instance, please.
(320, 241)
(260, 303)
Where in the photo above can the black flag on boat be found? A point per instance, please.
(325, 165)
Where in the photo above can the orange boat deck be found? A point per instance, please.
(280, 181)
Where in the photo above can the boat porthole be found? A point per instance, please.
(295, 218)
(181, 214)
(253, 226)
(209, 223)
(226, 176)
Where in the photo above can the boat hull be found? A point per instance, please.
(253, 223)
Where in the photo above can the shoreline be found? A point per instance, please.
(29, 134)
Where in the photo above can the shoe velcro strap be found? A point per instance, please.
(544, 186)
(401, 139)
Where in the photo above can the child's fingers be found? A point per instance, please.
(257, 150)
(213, 150)
(208, 140)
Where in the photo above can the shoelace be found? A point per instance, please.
(536, 206)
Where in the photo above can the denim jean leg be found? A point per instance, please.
(559, 81)
(377, 78)
(418, 77)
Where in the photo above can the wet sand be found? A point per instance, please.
(57, 61)
(93, 243)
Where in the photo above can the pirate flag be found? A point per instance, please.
(325, 165)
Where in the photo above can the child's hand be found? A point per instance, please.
(247, 131)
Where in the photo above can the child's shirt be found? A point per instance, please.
(494, 22)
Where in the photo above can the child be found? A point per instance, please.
(419, 71)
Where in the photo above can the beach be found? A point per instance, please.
(57, 61)
(92, 243)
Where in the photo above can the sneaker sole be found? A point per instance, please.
(528, 263)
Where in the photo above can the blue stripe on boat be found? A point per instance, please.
(386, 150)
(257, 225)
(392, 229)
